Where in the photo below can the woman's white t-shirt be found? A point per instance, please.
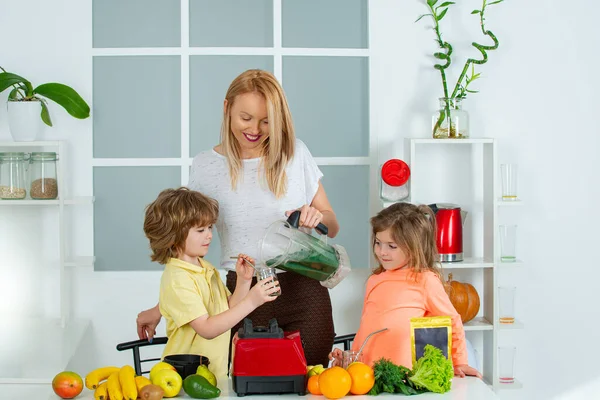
(246, 213)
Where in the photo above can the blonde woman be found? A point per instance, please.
(259, 174)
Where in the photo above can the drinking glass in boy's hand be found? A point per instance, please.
(263, 291)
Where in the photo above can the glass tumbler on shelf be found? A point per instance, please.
(508, 243)
(450, 121)
(266, 272)
(394, 180)
(44, 183)
(508, 173)
(506, 298)
(506, 364)
(12, 176)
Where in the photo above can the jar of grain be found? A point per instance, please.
(44, 185)
(12, 176)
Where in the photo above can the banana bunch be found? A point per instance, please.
(120, 383)
(314, 370)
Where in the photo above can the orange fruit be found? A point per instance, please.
(335, 382)
(363, 378)
(313, 385)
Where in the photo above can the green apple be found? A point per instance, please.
(316, 370)
(169, 381)
(160, 366)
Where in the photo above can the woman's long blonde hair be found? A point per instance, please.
(413, 230)
(278, 148)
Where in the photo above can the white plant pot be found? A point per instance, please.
(24, 120)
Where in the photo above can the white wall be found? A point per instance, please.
(538, 98)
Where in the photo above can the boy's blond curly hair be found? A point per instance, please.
(169, 218)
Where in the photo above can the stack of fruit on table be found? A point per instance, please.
(114, 383)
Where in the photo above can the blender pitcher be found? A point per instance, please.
(286, 247)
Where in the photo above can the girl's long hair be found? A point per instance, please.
(413, 230)
(278, 148)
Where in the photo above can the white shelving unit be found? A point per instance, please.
(465, 172)
(36, 348)
(66, 258)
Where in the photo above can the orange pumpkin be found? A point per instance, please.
(464, 298)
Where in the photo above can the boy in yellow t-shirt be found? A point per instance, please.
(199, 310)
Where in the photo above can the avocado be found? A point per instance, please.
(198, 387)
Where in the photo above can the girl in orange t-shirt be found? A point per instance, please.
(407, 284)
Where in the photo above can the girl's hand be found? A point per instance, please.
(243, 269)
(464, 370)
(310, 217)
(262, 291)
(336, 357)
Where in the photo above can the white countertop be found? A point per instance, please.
(462, 389)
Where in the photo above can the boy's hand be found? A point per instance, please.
(146, 322)
(263, 291)
(336, 357)
(243, 269)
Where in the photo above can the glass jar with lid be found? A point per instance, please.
(394, 180)
(44, 183)
(12, 176)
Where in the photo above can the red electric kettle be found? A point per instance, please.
(449, 235)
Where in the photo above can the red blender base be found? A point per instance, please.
(266, 360)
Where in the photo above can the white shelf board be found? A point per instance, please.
(84, 261)
(516, 263)
(515, 325)
(453, 141)
(516, 385)
(35, 350)
(31, 144)
(30, 202)
(80, 200)
(469, 262)
(510, 203)
(479, 324)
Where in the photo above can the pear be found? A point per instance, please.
(205, 372)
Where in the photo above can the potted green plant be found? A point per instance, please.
(27, 106)
(451, 121)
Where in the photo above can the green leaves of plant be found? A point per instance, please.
(45, 114)
(63, 95)
(424, 15)
(8, 79)
(66, 97)
(495, 2)
(431, 3)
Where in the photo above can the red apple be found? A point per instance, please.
(67, 385)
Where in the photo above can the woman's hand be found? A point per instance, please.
(464, 370)
(243, 269)
(310, 217)
(336, 356)
(147, 321)
(262, 291)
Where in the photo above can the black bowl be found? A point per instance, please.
(186, 364)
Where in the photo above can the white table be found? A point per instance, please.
(462, 389)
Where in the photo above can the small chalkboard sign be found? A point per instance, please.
(436, 331)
